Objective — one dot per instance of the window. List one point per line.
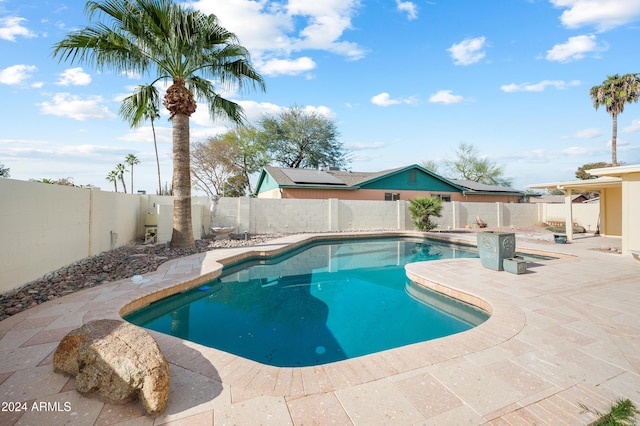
(443, 197)
(412, 176)
(390, 196)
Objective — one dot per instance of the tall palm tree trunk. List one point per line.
(132, 178)
(614, 141)
(155, 145)
(182, 227)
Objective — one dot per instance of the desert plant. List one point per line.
(622, 413)
(422, 208)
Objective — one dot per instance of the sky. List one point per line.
(404, 82)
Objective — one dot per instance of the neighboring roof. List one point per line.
(341, 179)
(483, 188)
(309, 176)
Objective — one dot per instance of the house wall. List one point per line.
(409, 180)
(610, 212)
(630, 209)
(379, 194)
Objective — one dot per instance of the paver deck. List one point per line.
(565, 333)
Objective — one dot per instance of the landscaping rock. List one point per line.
(123, 262)
(119, 360)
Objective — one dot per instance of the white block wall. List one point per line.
(45, 227)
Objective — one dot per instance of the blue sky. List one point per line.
(404, 81)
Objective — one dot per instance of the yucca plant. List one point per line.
(422, 208)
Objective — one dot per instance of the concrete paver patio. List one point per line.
(567, 332)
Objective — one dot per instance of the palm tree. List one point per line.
(169, 42)
(140, 106)
(131, 160)
(120, 171)
(113, 177)
(613, 94)
(421, 208)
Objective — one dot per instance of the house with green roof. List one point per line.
(403, 183)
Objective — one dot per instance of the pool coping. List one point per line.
(397, 360)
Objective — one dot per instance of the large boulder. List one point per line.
(117, 359)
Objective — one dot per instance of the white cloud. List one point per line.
(445, 97)
(16, 74)
(67, 105)
(587, 134)
(275, 67)
(359, 146)
(36, 149)
(74, 77)
(468, 51)
(603, 14)
(538, 87)
(384, 99)
(409, 8)
(633, 127)
(11, 27)
(145, 134)
(321, 110)
(581, 150)
(256, 110)
(277, 29)
(574, 49)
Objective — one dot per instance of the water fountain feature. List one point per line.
(222, 232)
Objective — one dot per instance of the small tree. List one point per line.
(470, 166)
(298, 138)
(4, 171)
(131, 160)
(430, 165)
(210, 167)
(582, 174)
(120, 171)
(235, 186)
(422, 208)
(249, 152)
(113, 177)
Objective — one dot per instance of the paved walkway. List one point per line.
(567, 332)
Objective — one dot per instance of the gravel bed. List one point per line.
(121, 263)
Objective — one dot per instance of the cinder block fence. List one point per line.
(44, 227)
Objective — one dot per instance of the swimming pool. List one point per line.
(321, 303)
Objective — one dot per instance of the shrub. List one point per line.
(422, 208)
(622, 413)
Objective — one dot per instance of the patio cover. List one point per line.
(568, 187)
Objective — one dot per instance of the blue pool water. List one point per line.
(322, 303)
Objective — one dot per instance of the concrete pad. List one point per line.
(378, 403)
